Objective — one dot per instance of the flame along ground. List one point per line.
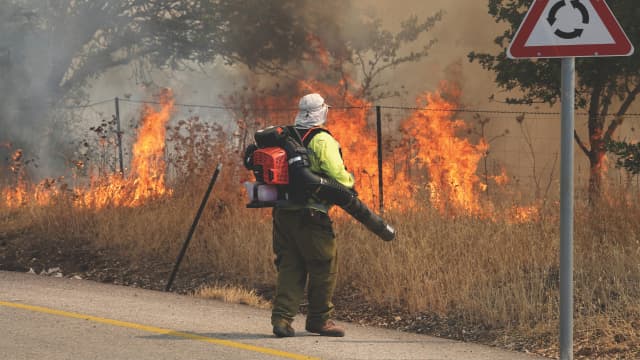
(146, 179)
(432, 162)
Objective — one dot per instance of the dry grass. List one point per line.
(233, 294)
(488, 274)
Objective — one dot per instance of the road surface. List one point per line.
(55, 318)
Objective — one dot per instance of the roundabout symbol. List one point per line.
(577, 32)
(569, 28)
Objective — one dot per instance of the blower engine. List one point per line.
(280, 164)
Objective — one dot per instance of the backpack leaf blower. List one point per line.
(281, 166)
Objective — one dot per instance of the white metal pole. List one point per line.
(566, 207)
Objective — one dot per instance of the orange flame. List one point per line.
(146, 180)
(523, 214)
(432, 145)
(502, 178)
(16, 196)
(451, 161)
(148, 164)
(321, 55)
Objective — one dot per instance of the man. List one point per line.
(303, 238)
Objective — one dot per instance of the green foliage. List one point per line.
(606, 87)
(539, 80)
(628, 155)
(85, 38)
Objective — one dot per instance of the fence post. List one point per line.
(379, 131)
(192, 229)
(119, 136)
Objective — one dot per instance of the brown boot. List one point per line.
(328, 328)
(283, 329)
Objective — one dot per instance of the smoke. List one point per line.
(465, 27)
(38, 48)
(39, 51)
(22, 95)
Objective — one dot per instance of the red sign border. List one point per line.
(621, 47)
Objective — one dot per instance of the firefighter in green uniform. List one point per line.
(303, 238)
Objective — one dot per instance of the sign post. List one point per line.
(568, 93)
(568, 29)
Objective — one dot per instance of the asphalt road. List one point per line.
(55, 318)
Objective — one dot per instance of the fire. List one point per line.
(24, 193)
(502, 178)
(322, 56)
(16, 196)
(450, 161)
(434, 157)
(447, 160)
(148, 166)
(145, 181)
(521, 214)
(434, 164)
(147, 176)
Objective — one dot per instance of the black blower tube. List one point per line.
(332, 191)
(305, 182)
(336, 193)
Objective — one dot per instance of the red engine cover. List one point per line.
(273, 161)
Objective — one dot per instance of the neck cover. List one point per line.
(307, 119)
(313, 112)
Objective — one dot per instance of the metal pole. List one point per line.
(193, 227)
(119, 136)
(379, 131)
(566, 208)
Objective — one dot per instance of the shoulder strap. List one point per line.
(306, 138)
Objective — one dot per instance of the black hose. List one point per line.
(304, 183)
(329, 190)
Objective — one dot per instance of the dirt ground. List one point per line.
(25, 253)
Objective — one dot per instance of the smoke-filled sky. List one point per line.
(466, 26)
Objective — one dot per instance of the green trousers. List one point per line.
(305, 248)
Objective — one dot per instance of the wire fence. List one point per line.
(522, 149)
(389, 107)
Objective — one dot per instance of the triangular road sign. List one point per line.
(568, 28)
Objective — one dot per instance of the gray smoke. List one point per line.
(23, 94)
(38, 46)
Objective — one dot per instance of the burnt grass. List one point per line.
(23, 252)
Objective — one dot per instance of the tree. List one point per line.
(606, 87)
(56, 48)
(628, 155)
(71, 42)
(87, 37)
(51, 50)
(377, 50)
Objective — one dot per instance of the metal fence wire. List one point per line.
(494, 148)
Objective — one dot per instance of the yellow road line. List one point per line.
(156, 330)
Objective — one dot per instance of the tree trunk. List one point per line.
(598, 137)
(597, 149)
(596, 170)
